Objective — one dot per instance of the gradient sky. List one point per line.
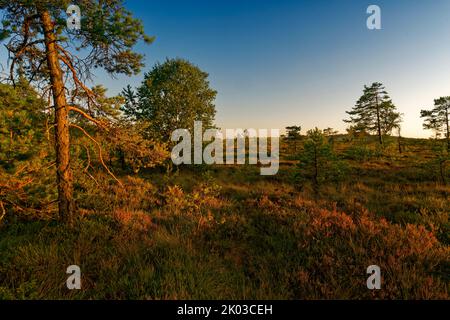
(280, 63)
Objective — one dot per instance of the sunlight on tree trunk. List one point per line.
(62, 135)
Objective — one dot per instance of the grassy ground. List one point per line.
(229, 233)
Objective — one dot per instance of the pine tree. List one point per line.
(374, 112)
(130, 108)
(43, 48)
(330, 133)
(173, 95)
(293, 134)
(437, 118)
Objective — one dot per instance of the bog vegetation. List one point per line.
(86, 179)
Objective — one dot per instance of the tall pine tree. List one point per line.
(374, 112)
(59, 60)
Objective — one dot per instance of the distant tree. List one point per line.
(374, 112)
(318, 163)
(58, 60)
(438, 164)
(396, 122)
(172, 96)
(330, 132)
(437, 119)
(130, 107)
(293, 133)
(105, 109)
(355, 133)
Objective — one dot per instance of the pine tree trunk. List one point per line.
(62, 135)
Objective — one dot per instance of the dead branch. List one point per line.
(99, 152)
(87, 116)
(86, 169)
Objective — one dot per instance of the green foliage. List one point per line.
(318, 163)
(329, 132)
(108, 33)
(359, 153)
(106, 109)
(58, 60)
(130, 107)
(25, 153)
(439, 165)
(293, 132)
(140, 240)
(437, 119)
(172, 96)
(292, 140)
(374, 112)
(123, 140)
(21, 125)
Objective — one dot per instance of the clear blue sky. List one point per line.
(276, 63)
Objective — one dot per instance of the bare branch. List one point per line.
(99, 152)
(66, 59)
(87, 116)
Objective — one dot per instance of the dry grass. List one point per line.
(228, 233)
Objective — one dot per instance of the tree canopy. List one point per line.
(172, 96)
(374, 112)
(58, 60)
(318, 162)
(293, 132)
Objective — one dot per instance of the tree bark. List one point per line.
(62, 134)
